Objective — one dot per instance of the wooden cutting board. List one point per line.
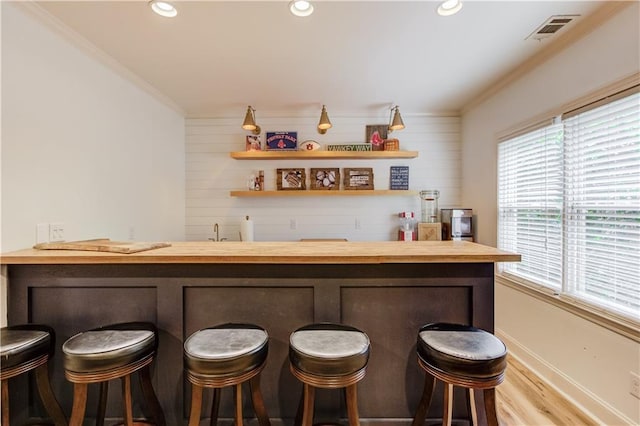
(102, 244)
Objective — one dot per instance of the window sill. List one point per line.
(622, 325)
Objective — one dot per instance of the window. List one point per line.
(569, 203)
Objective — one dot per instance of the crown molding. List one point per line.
(91, 50)
(580, 30)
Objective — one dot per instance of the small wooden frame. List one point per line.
(291, 179)
(375, 135)
(429, 231)
(358, 178)
(253, 143)
(391, 144)
(325, 179)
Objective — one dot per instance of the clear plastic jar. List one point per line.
(429, 203)
(407, 230)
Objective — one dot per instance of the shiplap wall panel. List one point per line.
(211, 174)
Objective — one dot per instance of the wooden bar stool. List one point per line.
(107, 353)
(25, 348)
(328, 356)
(464, 356)
(226, 355)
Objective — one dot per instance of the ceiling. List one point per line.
(357, 57)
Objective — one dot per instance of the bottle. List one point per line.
(407, 230)
(429, 201)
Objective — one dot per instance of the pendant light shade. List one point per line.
(396, 123)
(250, 121)
(324, 124)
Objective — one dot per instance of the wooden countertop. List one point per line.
(317, 252)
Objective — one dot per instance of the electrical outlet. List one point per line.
(634, 384)
(42, 233)
(293, 224)
(357, 224)
(56, 232)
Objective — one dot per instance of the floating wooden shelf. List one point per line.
(318, 193)
(315, 155)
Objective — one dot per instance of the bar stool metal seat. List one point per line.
(332, 356)
(107, 353)
(226, 355)
(25, 348)
(464, 356)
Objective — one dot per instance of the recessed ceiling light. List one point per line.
(301, 7)
(449, 7)
(163, 8)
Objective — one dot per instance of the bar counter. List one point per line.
(387, 289)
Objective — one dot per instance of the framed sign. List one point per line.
(361, 178)
(282, 140)
(291, 179)
(399, 177)
(325, 179)
(375, 135)
(253, 143)
(350, 147)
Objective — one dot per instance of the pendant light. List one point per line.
(396, 123)
(250, 121)
(324, 124)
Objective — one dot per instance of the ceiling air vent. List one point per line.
(551, 26)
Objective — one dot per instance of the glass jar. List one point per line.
(429, 203)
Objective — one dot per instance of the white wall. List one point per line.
(211, 174)
(588, 362)
(82, 145)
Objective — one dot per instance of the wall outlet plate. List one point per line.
(42, 233)
(56, 232)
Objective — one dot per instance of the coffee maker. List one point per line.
(457, 224)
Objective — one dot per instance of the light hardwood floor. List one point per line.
(524, 400)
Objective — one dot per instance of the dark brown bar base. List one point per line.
(387, 301)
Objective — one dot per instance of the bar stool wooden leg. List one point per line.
(352, 405)
(46, 395)
(215, 406)
(471, 406)
(425, 400)
(150, 396)
(237, 392)
(447, 404)
(309, 394)
(5, 402)
(79, 404)
(126, 400)
(102, 403)
(258, 401)
(196, 405)
(490, 406)
(298, 419)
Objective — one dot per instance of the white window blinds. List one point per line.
(530, 192)
(569, 203)
(602, 173)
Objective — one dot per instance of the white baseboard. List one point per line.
(600, 411)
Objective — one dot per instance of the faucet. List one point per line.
(216, 229)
